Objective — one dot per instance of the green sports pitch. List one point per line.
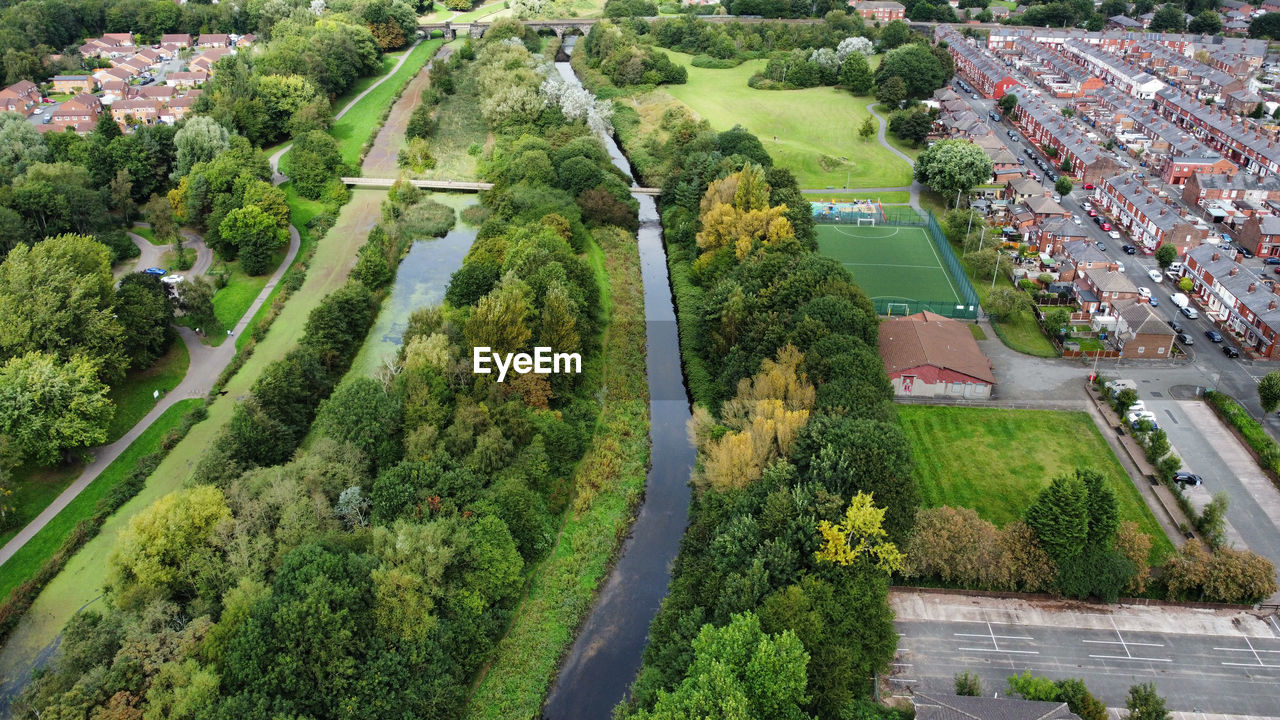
(898, 267)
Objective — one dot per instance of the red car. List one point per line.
(1276, 270)
(1088, 186)
(1106, 227)
(1093, 213)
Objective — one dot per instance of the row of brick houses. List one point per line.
(1046, 126)
(1061, 77)
(1238, 56)
(1150, 220)
(987, 76)
(1182, 71)
(1243, 142)
(1243, 303)
(878, 11)
(20, 97)
(1233, 198)
(1113, 70)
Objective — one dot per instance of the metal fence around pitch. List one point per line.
(968, 296)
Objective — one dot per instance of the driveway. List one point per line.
(1028, 379)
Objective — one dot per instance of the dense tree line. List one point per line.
(385, 558)
(800, 456)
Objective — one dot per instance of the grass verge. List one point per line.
(147, 234)
(361, 121)
(133, 398)
(608, 484)
(996, 460)
(34, 487)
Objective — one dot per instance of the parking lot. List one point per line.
(1201, 660)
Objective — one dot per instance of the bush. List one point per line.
(427, 218)
(706, 61)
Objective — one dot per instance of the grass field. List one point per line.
(814, 127)
(133, 397)
(36, 551)
(358, 125)
(231, 302)
(147, 234)
(891, 197)
(889, 262)
(995, 461)
(34, 487)
(1020, 332)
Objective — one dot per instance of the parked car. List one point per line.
(172, 279)
(1154, 301)
(1144, 292)
(975, 96)
(1231, 351)
(1129, 250)
(1155, 275)
(158, 272)
(1093, 213)
(1190, 313)
(1182, 477)
(1272, 261)
(1102, 247)
(1076, 219)
(1185, 339)
(1246, 252)
(1088, 186)
(1213, 335)
(1114, 234)
(1106, 227)
(1013, 134)
(1175, 326)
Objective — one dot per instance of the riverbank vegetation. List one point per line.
(390, 555)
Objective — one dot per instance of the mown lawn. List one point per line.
(996, 461)
(1020, 332)
(814, 127)
(34, 487)
(38, 549)
(133, 397)
(358, 125)
(147, 234)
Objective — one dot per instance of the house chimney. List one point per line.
(1216, 257)
(1234, 271)
(1253, 286)
(1272, 305)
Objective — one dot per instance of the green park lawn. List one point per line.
(995, 461)
(359, 124)
(38, 549)
(1020, 332)
(814, 127)
(891, 197)
(133, 398)
(231, 302)
(34, 487)
(147, 234)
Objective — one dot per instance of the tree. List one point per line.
(859, 537)
(1213, 520)
(867, 129)
(1058, 321)
(1060, 517)
(255, 235)
(1124, 399)
(1007, 103)
(953, 166)
(1269, 391)
(158, 213)
(738, 672)
(1168, 19)
(1006, 302)
(1208, 22)
(200, 139)
(314, 160)
(1265, 26)
(1186, 284)
(891, 92)
(911, 126)
(195, 297)
(1144, 703)
(48, 406)
(920, 69)
(361, 413)
(20, 146)
(855, 74)
(967, 683)
(1165, 255)
(984, 262)
(1030, 687)
(1063, 186)
(1079, 700)
(156, 554)
(894, 34)
(69, 310)
(145, 314)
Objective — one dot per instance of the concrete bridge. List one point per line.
(582, 26)
(450, 185)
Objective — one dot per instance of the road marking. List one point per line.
(1251, 649)
(1125, 644)
(1001, 637)
(1001, 650)
(995, 642)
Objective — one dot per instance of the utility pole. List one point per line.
(996, 272)
(965, 250)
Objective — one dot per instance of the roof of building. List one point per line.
(933, 706)
(1062, 227)
(930, 339)
(1112, 281)
(1085, 252)
(1251, 290)
(1163, 212)
(1026, 186)
(1141, 319)
(1042, 205)
(1238, 181)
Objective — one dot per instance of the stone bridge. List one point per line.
(581, 26)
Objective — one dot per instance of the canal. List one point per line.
(606, 655)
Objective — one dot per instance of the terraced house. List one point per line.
(1045, 125)
(1243, 142)
(1150, 220)
(1233, 198)
(1172, 153)
(976, 65)
(1241, 302)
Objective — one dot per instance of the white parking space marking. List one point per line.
(995, 642)
(1125, 645)
(1257, 659)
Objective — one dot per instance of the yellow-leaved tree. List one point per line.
(860, 536)
(764, 418)
(735, 213)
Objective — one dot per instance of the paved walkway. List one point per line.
(274, 160)
(916, 187)
(206, 365)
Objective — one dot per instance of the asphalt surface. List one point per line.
(1207, 673)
